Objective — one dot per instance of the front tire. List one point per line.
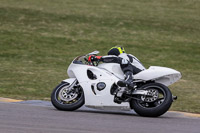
(156, 105)
(68, 99)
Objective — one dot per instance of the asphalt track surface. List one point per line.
(42, 117)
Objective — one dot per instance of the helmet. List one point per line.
(116, 50)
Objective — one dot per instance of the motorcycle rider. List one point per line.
(129, 64)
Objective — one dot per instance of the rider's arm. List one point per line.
(111, 59)
(123, 59)
(105, 59)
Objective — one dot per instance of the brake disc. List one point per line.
(151, 96)
(66, 94)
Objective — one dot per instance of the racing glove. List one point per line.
(92, 58)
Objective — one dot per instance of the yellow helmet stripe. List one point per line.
(121, 50)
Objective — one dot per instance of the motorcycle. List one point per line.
(95, 85)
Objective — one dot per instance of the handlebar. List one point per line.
(84, 58)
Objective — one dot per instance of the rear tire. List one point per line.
(150, 107)
(76, 101)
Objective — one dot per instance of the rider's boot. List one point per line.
(128, 82)
(127, 86)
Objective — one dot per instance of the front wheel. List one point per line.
(67, 97)
(156, 103)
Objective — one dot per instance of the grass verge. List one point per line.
(39, 39)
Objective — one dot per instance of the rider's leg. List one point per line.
(128, 72)
(128, 82)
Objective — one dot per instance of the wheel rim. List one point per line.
(65, 95)
(156, 97)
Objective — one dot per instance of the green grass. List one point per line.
(39, 39)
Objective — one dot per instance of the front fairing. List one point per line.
(94, 96)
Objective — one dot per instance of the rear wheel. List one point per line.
(157, 102)
(67, 97)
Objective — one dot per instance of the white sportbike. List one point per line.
(95, 85)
